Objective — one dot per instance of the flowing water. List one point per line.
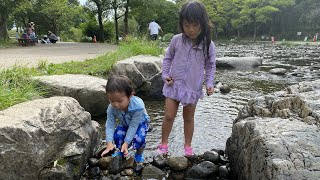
(214, 114)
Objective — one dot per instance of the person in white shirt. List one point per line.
(154, 30)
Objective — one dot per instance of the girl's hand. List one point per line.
(124, 149)
(109, 148)
(210, 91)
(169, 81)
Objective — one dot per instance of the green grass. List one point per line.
(6, 44)
(101, 65)
(16, 85)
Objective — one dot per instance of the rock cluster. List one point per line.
(210, 164)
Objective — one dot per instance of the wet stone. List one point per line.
(128, 172)
(223, 172)
(278, 71)
(104, 162)
(177, 175)
(202, 170)
(223, 160)
(224, 89)
(124, 178)
(94, 172)
(104, 172)
(178, 163)
(128, 163)
(211, 156)
(115, 165)
(152, 172)
(106, 178)
(159, 161)
(93, 162)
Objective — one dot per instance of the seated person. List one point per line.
(25, 36)
(52, 37)
(32, 35)
(45, 40)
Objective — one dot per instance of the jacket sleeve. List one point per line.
(210, 66)
(167, 60)
(133, 126)
(110, 124)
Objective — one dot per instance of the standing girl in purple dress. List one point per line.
(189, 60)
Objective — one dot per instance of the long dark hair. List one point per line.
(195, 12)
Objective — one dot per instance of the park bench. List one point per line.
(27, 42)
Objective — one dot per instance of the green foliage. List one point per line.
(6, 44)
(288, 44)
(167, 37)
(74, 34)
(91, 28)
(164, 12)
(133, 26)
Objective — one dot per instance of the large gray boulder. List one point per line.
(238, 62)
(145, 73)
(277, 136)
(89, 91)
(46, 139)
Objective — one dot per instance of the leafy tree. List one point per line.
(54, 15)
(101, 6)
(281, 18)
(91, 28)
(307, 12)
(164, 12)
(7, 7)
(257, 13)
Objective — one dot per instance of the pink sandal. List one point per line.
(162, 149)
(188, 151)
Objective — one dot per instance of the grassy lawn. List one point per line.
(16, 86)
(10, 43)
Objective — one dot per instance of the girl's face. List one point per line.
(192, 30)
(119, 100)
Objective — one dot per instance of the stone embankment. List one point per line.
(277, 136)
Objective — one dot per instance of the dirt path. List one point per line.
(52, 53)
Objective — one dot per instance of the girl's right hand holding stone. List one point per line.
(169, 81)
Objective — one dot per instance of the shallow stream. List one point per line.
(215, 114)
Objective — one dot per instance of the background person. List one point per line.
(52, 37)
(154, 29)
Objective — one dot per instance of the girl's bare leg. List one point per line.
(188, 118)
(171, 108)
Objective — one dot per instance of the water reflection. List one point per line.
(213, 119)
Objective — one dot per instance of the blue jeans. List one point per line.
(139, 141)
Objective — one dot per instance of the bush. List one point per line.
(92, 29)
(74, 34)
(167, 37)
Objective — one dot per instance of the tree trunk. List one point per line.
(101, 34)
(126, 16)
(3, 28)
(254, 31)
(115, 8)
(54, 26)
